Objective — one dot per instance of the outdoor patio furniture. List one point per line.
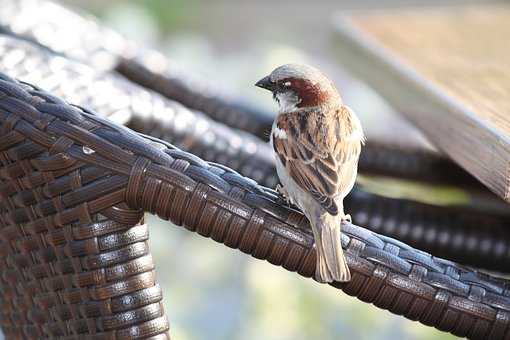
(75, 261)
(75, 184)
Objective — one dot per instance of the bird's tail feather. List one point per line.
(331, 263)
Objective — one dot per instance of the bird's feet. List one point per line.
(346, 218)
(283, 192)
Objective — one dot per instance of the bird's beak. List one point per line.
(265, 83)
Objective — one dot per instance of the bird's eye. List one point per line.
(287, 84)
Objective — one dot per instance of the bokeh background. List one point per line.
(211, 291)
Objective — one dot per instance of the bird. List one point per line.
(317, 141)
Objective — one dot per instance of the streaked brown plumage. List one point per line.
(317, 141)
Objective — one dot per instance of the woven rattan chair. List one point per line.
(75, 188)
(443, 231)
(75, 259)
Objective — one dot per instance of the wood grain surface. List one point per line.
(448, 71)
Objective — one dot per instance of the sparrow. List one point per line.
(317, 142)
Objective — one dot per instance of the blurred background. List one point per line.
(211, 291)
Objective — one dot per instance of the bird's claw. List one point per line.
(281, 190)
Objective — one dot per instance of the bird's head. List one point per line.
(296, 86)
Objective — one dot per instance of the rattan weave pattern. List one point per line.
(145, 111)
(43, 145)
(442, 231)
(73, 262)
(456, 233)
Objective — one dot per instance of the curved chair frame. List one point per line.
(444, 231)
(63, 165)
(75, 187)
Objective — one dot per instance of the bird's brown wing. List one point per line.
(324, 168)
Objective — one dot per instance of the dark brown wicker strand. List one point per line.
(442, 231)
(195, 93)
(217, 203)
(415, 164)
(455, 233)
(90, 277)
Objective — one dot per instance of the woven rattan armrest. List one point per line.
(56, 145)
(444, 231)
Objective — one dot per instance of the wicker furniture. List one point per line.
(445, 231)
(75, 187)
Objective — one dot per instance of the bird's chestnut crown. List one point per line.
(297, 86)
